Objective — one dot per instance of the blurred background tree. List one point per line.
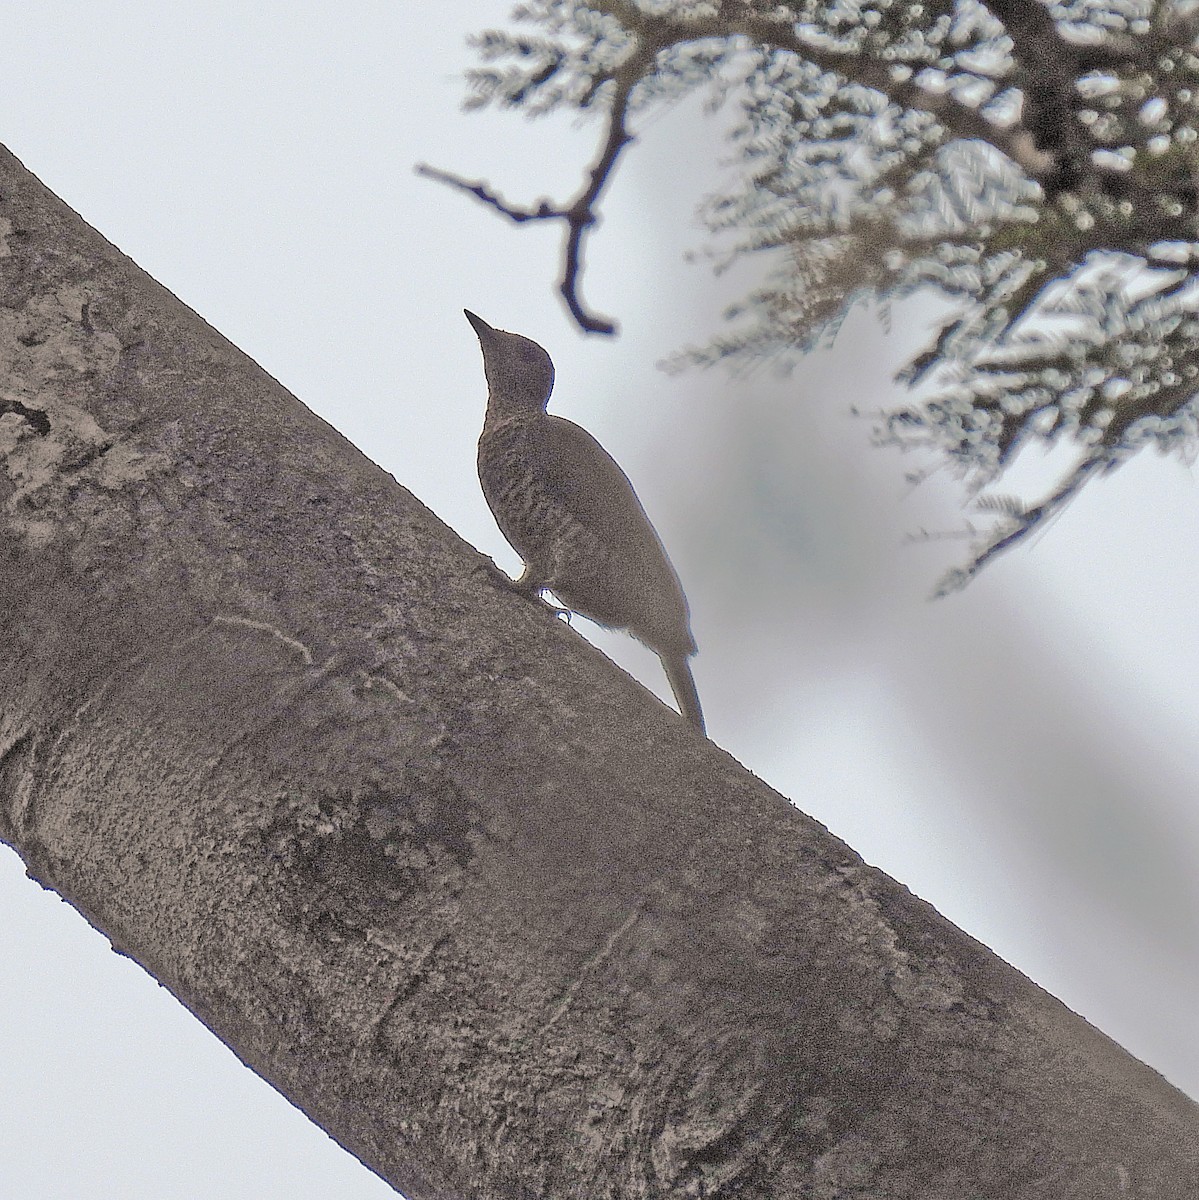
(1031, 164)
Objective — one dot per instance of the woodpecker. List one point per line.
(571, 513)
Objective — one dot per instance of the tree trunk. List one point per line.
(491, 914)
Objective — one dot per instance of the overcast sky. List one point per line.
(1022, 755)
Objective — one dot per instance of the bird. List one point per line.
(572, 515)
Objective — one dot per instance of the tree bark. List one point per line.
(487, 911)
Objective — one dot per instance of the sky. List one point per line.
(1021, 755)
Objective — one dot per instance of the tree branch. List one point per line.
(477, 903)
(1023, 523)
(1049, 145)
(779, 33)
(655, 32)
(479, 189)
(581, 214)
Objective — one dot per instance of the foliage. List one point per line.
(1033, 163)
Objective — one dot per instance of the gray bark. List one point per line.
(487, 911)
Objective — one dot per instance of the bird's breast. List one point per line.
(524, 508)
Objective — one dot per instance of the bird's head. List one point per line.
(520, 374)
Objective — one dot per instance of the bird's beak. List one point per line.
(481, 326)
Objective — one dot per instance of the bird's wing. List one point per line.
(590, 487)
(586, 480)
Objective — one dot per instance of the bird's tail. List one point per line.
(678, 671)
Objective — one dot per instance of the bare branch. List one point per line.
(580, 215)
(479, 189)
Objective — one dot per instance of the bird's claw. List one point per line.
(535, 593)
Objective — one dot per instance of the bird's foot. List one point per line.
(531, 588)
(536, 593)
